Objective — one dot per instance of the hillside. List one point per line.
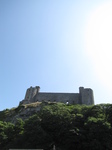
(42, 125)
(23, 111)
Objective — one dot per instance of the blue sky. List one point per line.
(58, 45)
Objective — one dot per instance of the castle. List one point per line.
(85, 96)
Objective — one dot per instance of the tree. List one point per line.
(98, 134)
(34, 134)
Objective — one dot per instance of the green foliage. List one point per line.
(65, 126)
(3, 114)
(6, 133)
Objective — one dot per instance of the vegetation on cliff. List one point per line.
(65, 126)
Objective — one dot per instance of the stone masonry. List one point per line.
(85, 96)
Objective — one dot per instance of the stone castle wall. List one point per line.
(58, 97)
(85, 96)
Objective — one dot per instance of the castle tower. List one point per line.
(86, 96)
(31, 92)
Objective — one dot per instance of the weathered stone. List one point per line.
(85, 96)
